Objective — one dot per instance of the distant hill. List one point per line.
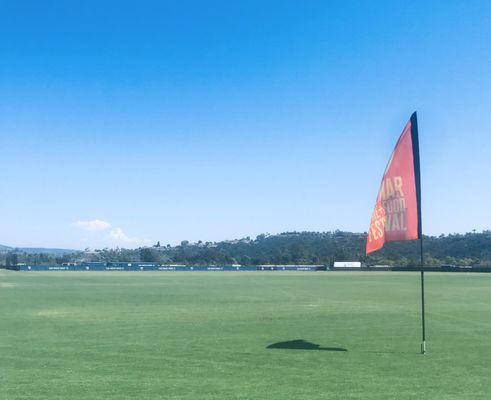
(467, 249)
(309, 248)
(37, 250)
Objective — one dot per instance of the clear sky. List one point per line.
(123, 123)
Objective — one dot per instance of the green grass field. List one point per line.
(167, 335)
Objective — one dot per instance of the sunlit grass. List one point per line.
(167, 335)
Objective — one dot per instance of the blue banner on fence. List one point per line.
(138, 266)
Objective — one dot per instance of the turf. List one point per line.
(241, 335)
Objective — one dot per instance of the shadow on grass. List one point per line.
(301, 344)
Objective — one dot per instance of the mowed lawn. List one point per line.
(205, 335)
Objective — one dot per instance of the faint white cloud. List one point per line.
(92, 226)
(118, 235)
(104, 234)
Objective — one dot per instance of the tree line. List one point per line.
(467, 249)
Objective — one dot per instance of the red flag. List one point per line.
(397, 213)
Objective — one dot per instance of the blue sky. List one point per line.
(124, 123)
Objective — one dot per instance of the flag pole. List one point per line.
(380, 231)
(423, 344)
(415, 142)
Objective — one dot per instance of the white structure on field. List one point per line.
(347, 264)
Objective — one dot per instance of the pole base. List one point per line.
(423, 348)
